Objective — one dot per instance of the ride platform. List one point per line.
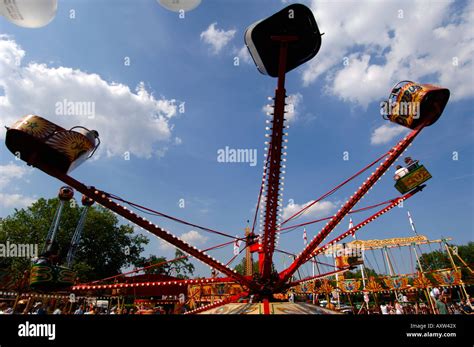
(275, 308)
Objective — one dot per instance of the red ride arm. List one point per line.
(103, 199)
(396, 151)
(352, 230)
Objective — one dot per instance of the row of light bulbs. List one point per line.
(147, 284)
(104, 196)
(282, 172)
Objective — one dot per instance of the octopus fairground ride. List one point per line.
(277, 44)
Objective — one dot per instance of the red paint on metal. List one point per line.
(396, 151)
(274, 158)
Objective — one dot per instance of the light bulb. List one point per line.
(177, 5)
(29, 13)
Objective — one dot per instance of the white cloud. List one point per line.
(386, 133)
(244, 55)
(127, 121)
(320, 209)
(15, 200)
(217, 38)
(294, 104)
(10, 172)
(165, 246)
(192, 237)
(267, 109)
(380, 48)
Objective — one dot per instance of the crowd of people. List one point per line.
(440, 302)
(441, 306)
(39, 308)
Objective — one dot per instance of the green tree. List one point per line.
(180, 268)
(466, 252)
(240, 268)
(357, 274)
(440, 259)
(434, 260)
(105, 248)
(152, 260)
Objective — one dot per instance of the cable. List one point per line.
(261, 191)
(376, 263)
(158, 264)
(384, 262)
(235, 256)
(389, 254)
(336, 188)
(149, 211)
(366, 259)
(292, 254)
(293, 227)
(401, 256)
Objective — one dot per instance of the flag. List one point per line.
(351, 225)
(411, 223)
(237, 246)
(305, 237)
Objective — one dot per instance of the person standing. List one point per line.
(434, 293)
(291, 297)
(441, 305)
(398, 308)
(39, 309)
(80, 310)
(465, 308)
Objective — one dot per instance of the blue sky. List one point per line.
(173, 155)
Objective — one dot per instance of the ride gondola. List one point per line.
(47, 146)
(417, 175)
(412, 105)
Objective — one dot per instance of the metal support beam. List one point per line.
(396, 151)
(103, 198)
